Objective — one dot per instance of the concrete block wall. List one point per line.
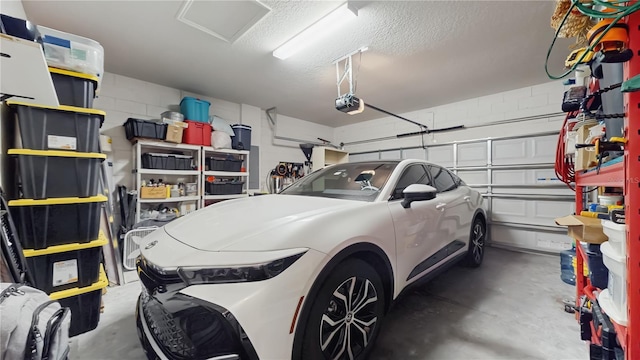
(124, 97)
(534, 100)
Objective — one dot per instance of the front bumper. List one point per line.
(175, 326)
(265, 309)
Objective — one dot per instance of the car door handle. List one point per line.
(441, 206)
(467, 198)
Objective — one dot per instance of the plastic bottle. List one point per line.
(567, 273)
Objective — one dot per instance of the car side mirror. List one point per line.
(417, 192)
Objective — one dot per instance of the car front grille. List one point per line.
(165, 329)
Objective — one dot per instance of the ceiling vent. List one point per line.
(226, 20)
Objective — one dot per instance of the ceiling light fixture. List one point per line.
(323, 27)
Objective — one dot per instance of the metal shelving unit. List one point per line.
(143, 146)
(626, 175)
(241, 175)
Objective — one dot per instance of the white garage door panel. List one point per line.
(390, 155)
(553, 209)
(533, 240)
(474, 154)
(508, 210)
(509, 151)
(532, 150)
(510, 177)
(473, 177)
(529, 211)
(364, 157)
(441, 155)
(414, 154)
(544, 148)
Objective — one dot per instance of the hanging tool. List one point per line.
(615, 144)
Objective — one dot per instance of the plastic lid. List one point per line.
(59, 108)
(58, 201)
(75, 74)
(102, 283)
(190, 98)
(56, 153)
(101, 241)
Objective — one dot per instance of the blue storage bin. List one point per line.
(195, 109)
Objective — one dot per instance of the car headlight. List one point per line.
(198, 275)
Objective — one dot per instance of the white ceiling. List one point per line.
(422, 53)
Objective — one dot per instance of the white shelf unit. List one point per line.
(324, 156)
(243, 176)
(170, 200)
(191, 176)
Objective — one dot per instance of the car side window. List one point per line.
(442, 179)
(414, 174)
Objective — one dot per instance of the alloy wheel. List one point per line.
(349, 319)
(478, 242)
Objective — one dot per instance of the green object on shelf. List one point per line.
(631, 85)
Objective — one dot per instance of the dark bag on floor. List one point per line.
(32, 326)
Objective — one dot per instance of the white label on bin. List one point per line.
(61, 142)
(65, 272)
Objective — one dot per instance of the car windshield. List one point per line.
(351, 181)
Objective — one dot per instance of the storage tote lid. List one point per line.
(189, 98)
(75, 74)
(58, 201)
(101, 241)
(241, 126)
(67, 108)
(56, 153)
(102, 283)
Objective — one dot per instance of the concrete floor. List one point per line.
(510, 308)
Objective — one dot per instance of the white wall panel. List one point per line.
(473, 154)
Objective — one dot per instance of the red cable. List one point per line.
(564, 167)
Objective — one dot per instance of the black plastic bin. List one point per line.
(242, 138)
(57, 174)
(50, 222)
(74, 88)
(137, 128)
(224, 164)
(84, 304)
(224, 187)
(598, 272)
(166, 161)
(65, 267)
(62, 128)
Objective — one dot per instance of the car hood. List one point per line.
(258, 223)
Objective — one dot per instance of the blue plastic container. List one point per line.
(567, 273)
(195, 109)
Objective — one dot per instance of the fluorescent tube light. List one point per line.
(323, 27)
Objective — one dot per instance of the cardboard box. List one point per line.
(149, 192)
(585, 157)
(583, 228)
(174, 132)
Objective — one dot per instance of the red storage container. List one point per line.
(197, 133)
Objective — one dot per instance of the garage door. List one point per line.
(515, 175)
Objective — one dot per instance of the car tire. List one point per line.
(477, 242)
(346, 315)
